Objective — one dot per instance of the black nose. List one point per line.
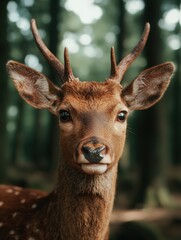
(93, 155)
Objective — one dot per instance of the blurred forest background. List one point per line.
(150, 170)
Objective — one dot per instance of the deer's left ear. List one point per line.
(148, 87)
(34, 87)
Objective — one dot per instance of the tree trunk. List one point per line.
(177, 103)
(152, 129)
(53, 136)
(121, 34)
(3, 89)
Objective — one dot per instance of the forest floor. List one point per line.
(146, 224)
(159, 218)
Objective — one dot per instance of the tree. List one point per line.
(55, 14)
(177, 103)
(3, 89)
(153, 143)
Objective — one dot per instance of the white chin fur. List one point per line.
(94, 168)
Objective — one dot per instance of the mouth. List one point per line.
(94, 168)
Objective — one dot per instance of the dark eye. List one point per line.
(122, 116)
(64, 116)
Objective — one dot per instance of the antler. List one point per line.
(68, 74)
(64, 72)
(118, 71)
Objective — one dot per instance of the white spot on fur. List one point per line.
(34, 206)
(1, 224)
(14, 214)
(1, 203)
(9, 190)
(31, 238)
(23, 201)
(12, 232)
(16, 193)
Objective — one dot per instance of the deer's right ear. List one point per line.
(34, 87)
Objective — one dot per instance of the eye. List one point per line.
(122, 116)
(64, 116)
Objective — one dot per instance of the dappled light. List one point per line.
(23, 24)
(174, 42)
(93, 52)
(80, 7)
(170, 19)
(28, 3)
(85, 39)
(12, 111)
(32, 61)
(13, 13)
(70, 41)
(134, 6)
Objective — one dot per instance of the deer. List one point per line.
(92, 120)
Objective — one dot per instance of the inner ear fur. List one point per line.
(148, 87)
(34, 87)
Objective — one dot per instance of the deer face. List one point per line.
(92, 120)
(92, 116)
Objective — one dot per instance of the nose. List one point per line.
(93, 153)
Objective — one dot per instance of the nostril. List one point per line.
(93, 155)
(100, 149)
(86, 150)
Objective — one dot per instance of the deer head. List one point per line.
(92, 115)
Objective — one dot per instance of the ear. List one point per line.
(148, 87)
(34, 87)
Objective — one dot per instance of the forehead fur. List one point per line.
(88, 91)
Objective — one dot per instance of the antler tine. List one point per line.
(50, 57)
(114, 72)
(68, 74)
(127, 61)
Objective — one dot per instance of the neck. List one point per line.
(81, 205)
